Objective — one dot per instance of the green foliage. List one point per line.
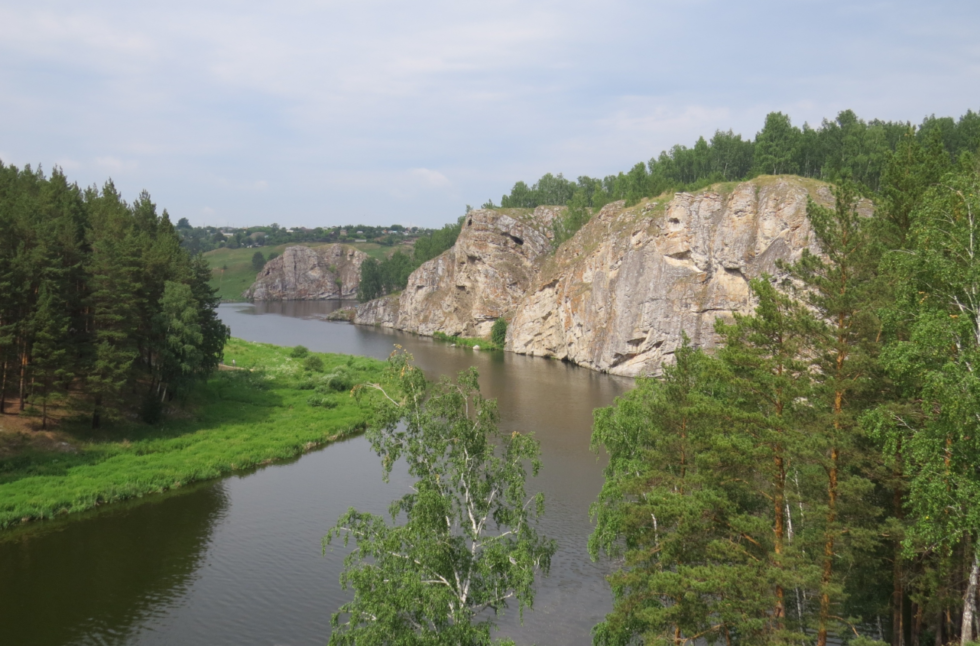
(498, 333)
(818, 475)
(467, 342)
(846, 147)
(380, 277)
(467, 546)
(258, 261)
(929, 429)
(299, 352)
(238, 419)
(313, 363)
(691, 529)
(388, 275)
(775, 146)
(576, 216)
(100, 303)
(321, 400)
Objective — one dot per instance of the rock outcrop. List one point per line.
(483, 277)
(619, 296)
(301, 273)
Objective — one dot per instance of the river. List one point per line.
(238, 560)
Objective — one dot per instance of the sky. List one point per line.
(382, 112)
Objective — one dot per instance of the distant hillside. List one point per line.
(232, 271)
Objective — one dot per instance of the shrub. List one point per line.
(299, 352)
(498, 333)
(321, 401)
(337, 381)
(313, 363)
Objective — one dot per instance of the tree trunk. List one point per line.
(898, 574)
(23, 377)
(95, 412)
(779, 504)
(3, 389)
(828, 549)
(916, 633)
(970, 600)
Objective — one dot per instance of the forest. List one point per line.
(844, 148)
(103, 311)
(818, 478)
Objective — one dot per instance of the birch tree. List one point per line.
(462, 545)
(940, 273)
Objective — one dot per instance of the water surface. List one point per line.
(238, 561)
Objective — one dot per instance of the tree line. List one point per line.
(846, 147)
(390, 274)
(102, 311)
(208, 238)
(816, 479)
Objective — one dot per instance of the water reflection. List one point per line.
(552, 399)
(95, 580)
(239, 561)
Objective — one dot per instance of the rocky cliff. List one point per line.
(302, 273)
(619, 295)
(483, 277)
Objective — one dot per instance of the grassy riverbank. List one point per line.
(272, 407)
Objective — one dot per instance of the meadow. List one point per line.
(274, 404)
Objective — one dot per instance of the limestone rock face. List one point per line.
(620, 294)
(302, 273)
(483, 277)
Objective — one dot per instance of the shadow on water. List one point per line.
(97, 578)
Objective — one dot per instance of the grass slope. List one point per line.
(239, 419)
(232, 272)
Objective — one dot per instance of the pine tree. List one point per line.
(50, 352)
(769, 386)
(113, 270)
(839, 286)
(676, 505)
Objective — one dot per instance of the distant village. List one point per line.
(203, 239)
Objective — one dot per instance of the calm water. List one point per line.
(238, 561)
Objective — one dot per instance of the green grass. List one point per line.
(272, 409)
(467, 342)
(232, 271)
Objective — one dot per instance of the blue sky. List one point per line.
(376, 112)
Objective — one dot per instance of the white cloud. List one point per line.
(329, 102)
